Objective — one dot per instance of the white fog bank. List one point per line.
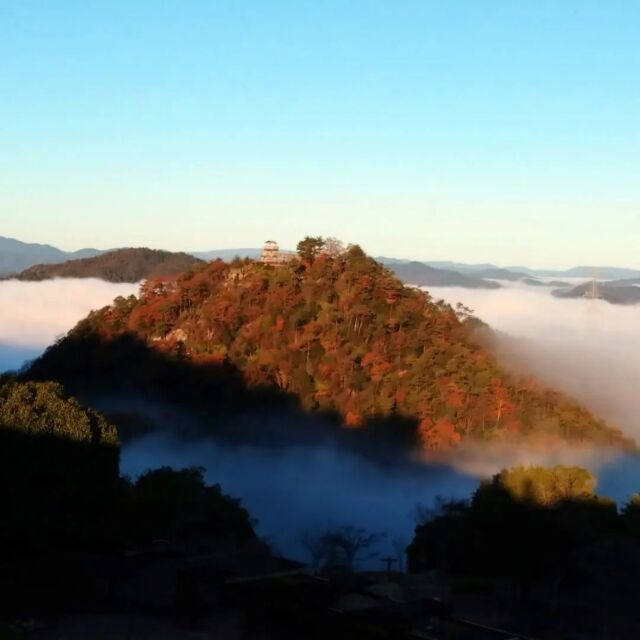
(588, 348)
(34, 314)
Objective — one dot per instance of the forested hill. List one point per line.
(343, 334)
(121, 265)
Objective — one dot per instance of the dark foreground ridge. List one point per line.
(89, 554)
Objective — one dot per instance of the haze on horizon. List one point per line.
(502, 132)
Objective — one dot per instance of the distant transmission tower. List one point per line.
(594, 292)
(593, 311)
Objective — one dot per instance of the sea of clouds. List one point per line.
(588, 348)
(34, 314)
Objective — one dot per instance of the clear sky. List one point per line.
(499, 130)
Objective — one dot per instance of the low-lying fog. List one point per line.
(294, 488)
(590, 349)
(34, 314)
(297, 488)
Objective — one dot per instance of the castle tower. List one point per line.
(270, 253)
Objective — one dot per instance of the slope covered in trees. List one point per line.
(121, 265)
(548, 537)
(39, 409)
(67, 514)
(343, 334)
(58, 463)
(59, 473)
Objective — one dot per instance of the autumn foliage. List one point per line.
(343, 334)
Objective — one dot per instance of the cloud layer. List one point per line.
(34, 314)
(295, 489)
(588, 348)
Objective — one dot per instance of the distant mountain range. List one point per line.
(479, 270)
(16, 257)
(488, 270)
(624, 291)
(133, 265)
(599, 273)
(423, 275)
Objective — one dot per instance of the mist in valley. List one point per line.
(589, 349)
(295, 474)
(34, 314)
(296, 489)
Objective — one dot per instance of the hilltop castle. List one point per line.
(272, 255)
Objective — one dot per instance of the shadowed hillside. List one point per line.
(59, 464)
(67, 514)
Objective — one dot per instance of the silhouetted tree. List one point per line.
(178, 506)
(342, 547)
(310, 247)
(333, 247)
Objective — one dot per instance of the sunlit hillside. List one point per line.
(342, 334)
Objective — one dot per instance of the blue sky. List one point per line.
(476, 131)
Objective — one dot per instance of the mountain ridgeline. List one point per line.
(121, 265)
(422, 275)
(16, 255)
(341, 334)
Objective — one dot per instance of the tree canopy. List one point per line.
(542, 486)
(58, 463)
(342, 333)
(121, 265)
(545, 533)
(178, 506)
(59, 476)
(41, 408)
(309, 247)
